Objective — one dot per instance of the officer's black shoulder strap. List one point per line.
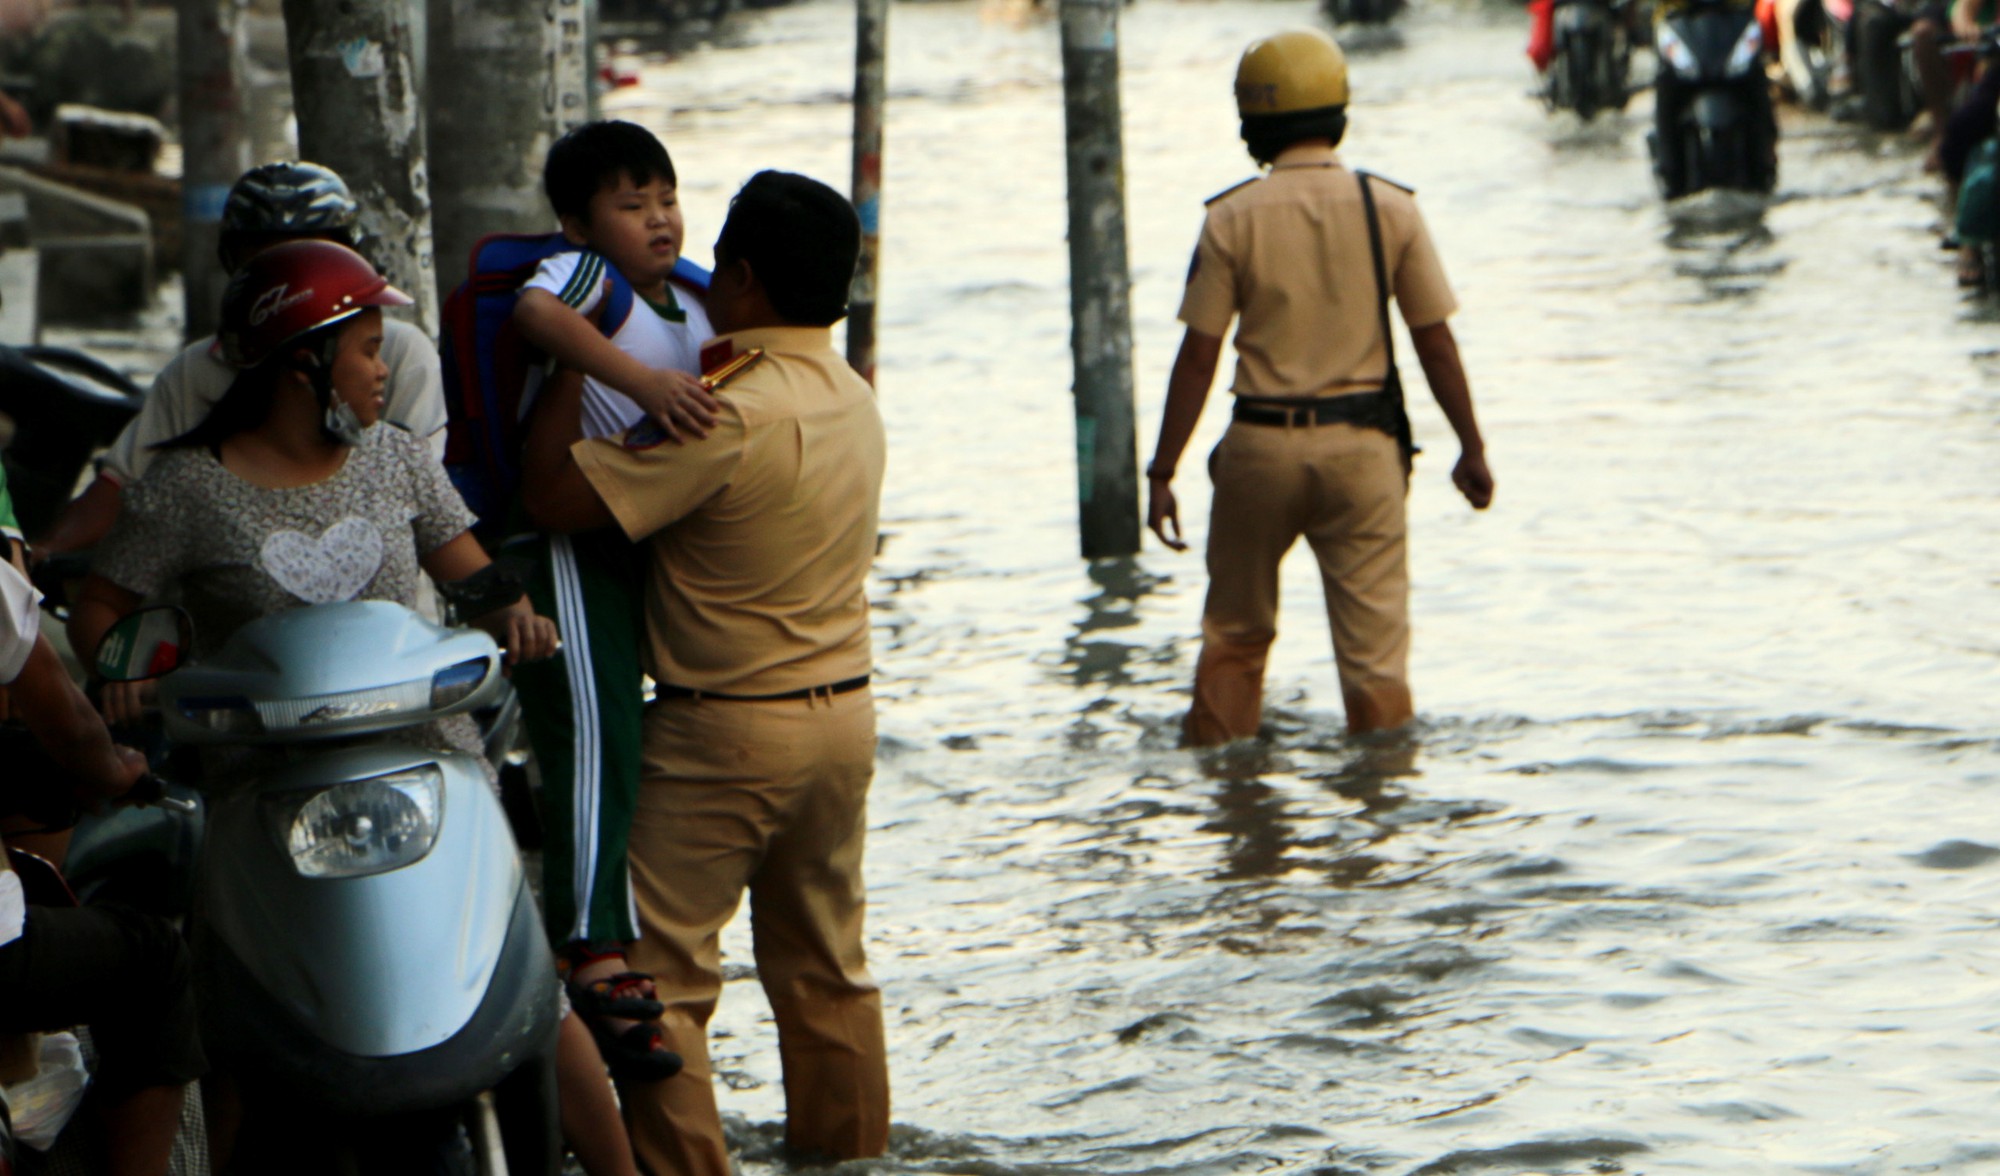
(1392, 380)
(1231, 190)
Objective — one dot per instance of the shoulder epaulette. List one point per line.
(1391, 181)
(717, 374)
(1232, 190)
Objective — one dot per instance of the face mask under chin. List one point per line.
(342, 426)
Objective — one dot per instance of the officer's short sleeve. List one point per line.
(1421, 288)
(1209, 304)
(650, 487)
(20, 621)
(416, 380)
(576, 278)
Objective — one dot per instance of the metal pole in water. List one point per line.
(488, 140)
(213, 61)
(1100, 285)
(354, 86)
(871, 93)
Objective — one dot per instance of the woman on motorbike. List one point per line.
(288, 494)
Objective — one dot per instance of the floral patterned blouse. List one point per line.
(232, 551)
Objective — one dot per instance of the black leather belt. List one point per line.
(847, 686)
(1370, 409)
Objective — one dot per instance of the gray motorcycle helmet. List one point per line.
(291, 199)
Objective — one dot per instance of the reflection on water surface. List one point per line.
(1690, 863)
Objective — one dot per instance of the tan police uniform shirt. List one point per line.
(761, 534)
(194, 380)
(1289, 253)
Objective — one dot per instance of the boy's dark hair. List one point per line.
(801, 239)
(593, 156)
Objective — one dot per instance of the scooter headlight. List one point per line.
(1749, 48)
(1675, 52)
(363, 827)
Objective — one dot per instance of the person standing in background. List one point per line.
(1306, 258)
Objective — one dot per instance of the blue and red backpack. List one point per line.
(491, 374)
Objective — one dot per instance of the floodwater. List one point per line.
(1691, 863)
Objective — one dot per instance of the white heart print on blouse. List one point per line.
(327, 570)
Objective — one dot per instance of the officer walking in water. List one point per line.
(1308, 256)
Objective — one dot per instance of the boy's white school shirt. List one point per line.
(578, 279)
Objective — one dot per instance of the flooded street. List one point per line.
(1691, 863)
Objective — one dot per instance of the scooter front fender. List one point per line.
(1717, 110)
(378, 965)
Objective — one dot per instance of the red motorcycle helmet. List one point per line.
(292, 289)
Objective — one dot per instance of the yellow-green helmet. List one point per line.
(1291, 72)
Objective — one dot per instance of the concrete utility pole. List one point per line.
(489, 136)
(213, 62)
(871, 94)
(354, 87)
(1100, 285)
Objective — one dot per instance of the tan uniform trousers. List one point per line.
(770, 797)
(1342, 487)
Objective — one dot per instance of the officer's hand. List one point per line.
(1164, 513)
(1473, 480)
(683, 408)
(125, 702)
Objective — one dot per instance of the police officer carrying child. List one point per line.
(1308, 255)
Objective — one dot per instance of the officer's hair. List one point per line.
(1267, 135)
(593, 156)
(802, 240)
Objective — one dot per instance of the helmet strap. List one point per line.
(338, 423)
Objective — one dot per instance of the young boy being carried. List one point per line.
(613, 188)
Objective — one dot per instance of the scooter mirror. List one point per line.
(149, 643)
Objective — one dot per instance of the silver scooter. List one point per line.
(369, 959)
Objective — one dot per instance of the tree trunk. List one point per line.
(355, 89)
(488, 140)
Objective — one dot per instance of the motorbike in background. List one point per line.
(64, 406)
(1714, 126)
(370, 960)
(1813, 37)
(1593, 57)
(1885, 72)
(1342, 12)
